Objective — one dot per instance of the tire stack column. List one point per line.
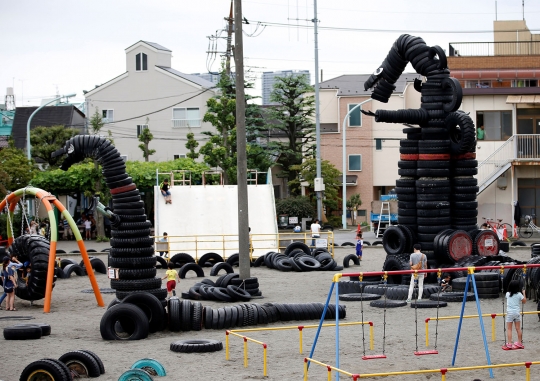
(406, 184)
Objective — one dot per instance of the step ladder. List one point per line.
(385, 207)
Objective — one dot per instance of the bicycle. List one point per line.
(499, 228)
(526, 230)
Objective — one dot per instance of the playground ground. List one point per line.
(75, 320)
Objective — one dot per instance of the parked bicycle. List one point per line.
(528, 228)
(499, 227)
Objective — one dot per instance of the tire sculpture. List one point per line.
(131, 246)
(436, 190)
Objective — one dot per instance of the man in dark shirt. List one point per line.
(165, 191)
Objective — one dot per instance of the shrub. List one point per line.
(299, 207)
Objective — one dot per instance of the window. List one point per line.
(108, 116)
(378, 144)
(140, 128)
(124, 157)
(355, 117)
(186, 117)
(525, 83)
(355, 162)
(497, 125)
(180, 156)
(361, 213)
(141, 62)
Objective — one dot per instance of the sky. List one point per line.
(67, 46)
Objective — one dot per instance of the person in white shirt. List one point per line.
(418, 261)
(315, 231)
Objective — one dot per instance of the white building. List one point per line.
(150, 93)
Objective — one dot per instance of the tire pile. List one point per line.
(298, 257)
(436, 189)
(78, 364)
(33, 249)
(142, 313)
(226, 288)
(132, 250)
(69, 266)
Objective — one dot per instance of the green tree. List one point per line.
(220, 149)
(300, 207)
(16, 171)
(46, 140)
(352, 205)
(292, 115)
(332, 182)
(145, 138)
(191, 145)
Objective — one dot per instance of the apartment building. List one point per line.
(500, 81)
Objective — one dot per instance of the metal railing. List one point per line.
(490, 49)
(177, 123)
(522, 147)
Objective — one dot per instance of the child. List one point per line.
(513, 299)
(445, 283)
(88, 228)
(171, 274)
(359, 245)
(27, 273)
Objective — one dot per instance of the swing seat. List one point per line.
(423, 353)
(373, 357)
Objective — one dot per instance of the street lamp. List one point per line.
(28, 153)
(344, 131)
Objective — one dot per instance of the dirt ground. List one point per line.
(75, 320)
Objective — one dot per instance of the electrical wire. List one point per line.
(142, 100)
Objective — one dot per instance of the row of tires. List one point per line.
(299, 259)
(74, 364)
(140, 314)
(227, 288)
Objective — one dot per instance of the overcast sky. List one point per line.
(75, 45)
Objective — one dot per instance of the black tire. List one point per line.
(132, 242)
(221, 266)
(174, 314)
(376, 243)
(191, 267)
(160, 293)
(70, 269)
(82, 363)
(394, 240)
(221, 294)
(98, 360)
(97, 265)
(210, 258)
(67, 261)
(152, 308)
(307, 263)
(297, 245)
(23, 332)
(397, 262)
(451, 296)
(259, 261)
(197, 316)
(388, 303)
(181, 259)
(428, 304)
(196, 346)
(48, 368)
(132, 319)
(351, 257)
(238, 293)
(135, 284)
(185, 315)
(120, 252)
(161, 263)
(359, 296)
(463, 139)
(133, 263)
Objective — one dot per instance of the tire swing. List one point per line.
(381, 356)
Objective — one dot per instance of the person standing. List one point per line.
(481, 133)
(165, 238)
(418, 261)
(10, 284)
(514, 299)
(15, 265)
(67, 229)
(359, 245)
(88, 229)
(315, 232)
(165, 191)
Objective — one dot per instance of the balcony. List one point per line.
(179, 123)
(491, 49)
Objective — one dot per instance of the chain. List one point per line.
(385, 278)
(524, 275)
(438, 301)
(502, 298)
(362, 314)
(25, 216)
(416, 308)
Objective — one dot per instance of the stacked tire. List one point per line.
(132, 250)
(227, 288)
(33, 249)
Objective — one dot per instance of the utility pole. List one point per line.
(243, 215)
(319, 184)
(229, 39)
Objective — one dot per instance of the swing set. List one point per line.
(18, 197)
(470, 280)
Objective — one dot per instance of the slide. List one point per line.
(204, 218)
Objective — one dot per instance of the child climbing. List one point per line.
(164, 187)
(359, 245)
(514, 299)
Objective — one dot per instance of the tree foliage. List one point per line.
(331, 175)
(46, 140)
(96, 122)
(191, 145)
(220, 149)
(292, 115)
(145, 138)
(352, 205)
(16, 171)
(300, 207)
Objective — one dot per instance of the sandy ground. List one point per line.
(75, 320)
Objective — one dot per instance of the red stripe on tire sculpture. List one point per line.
(464, 156)
(125, 188)
(408, 156)
(434, 156)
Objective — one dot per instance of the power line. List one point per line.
(142, 100)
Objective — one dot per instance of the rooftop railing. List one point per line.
(490, 49)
